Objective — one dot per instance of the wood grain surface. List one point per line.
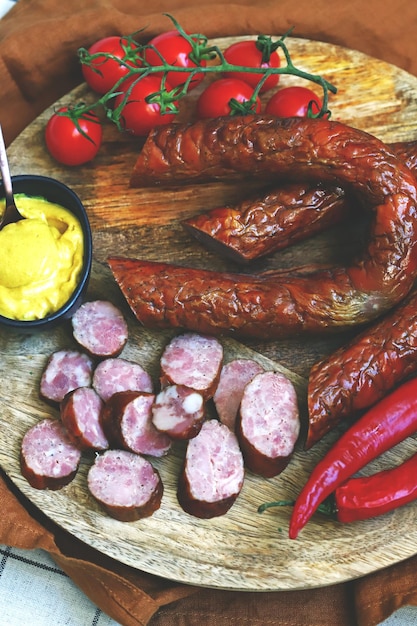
(243, 549)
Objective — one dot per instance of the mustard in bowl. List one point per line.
(46, 258)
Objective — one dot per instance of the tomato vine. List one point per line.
(201, 52)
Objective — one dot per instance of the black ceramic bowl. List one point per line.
(54, 191)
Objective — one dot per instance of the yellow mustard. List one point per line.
(40, 259)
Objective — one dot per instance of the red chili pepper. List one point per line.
(390, 421)
(368, 496)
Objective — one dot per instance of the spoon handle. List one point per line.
(4, 169)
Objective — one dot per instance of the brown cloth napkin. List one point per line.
(38, 64)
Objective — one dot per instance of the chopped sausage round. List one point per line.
(80, 412)
(116, 374)
(192, 360)
(178, 411)
(48, 458)
(213, 472)
(234, 377)
(125, 484)
(100, 327)
(65, 370)
(127, 422)
(268, 423)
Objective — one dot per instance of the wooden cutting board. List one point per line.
(243, 549)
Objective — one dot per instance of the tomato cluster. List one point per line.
(140, 105)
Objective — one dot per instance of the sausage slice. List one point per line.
(80, 413)
(178, 411)
(100, 327)
(213, 472)
(268, 424)
(126, 485)
(192, 360)
(234, 377)
(48, 458)
(65, 370)
(127, 421)
(116, 374)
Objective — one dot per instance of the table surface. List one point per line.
(31, 580)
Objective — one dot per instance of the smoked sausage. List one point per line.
(283, 216)
(257, 227)
(359, 374)
(406, 151)
(267, 306)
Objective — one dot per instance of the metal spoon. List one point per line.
(11, 214)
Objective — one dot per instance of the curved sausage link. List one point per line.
(293, 212)
(255, 306)
(406, 151)
(356, 376)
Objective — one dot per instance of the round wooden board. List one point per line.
(241, 550)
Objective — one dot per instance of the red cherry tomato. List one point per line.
(217, 99)
(103, 73)
(138, 116)
(293, 102)
(246, 53)
(175, 50)
(67, 144)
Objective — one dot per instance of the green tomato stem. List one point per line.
(200, 50)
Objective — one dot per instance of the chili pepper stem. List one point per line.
(270, 505)
(328, 507)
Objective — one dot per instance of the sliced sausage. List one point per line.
(178, 411)
(80, 412)
(65, 370)
(268, 424)
(126, 485)
(192, 360)
(116, 374)
(213, 472)
(234, 377)
(100, 327)
(259, 226)
(127, 422)
(48, 458)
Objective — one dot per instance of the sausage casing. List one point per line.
(270, 306)
(359, 374)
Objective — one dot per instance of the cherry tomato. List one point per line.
(175, 50)
(138, 116)
(103, 73)
(248, 54)
(215, 100)
(67, 144)
(293, 102)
